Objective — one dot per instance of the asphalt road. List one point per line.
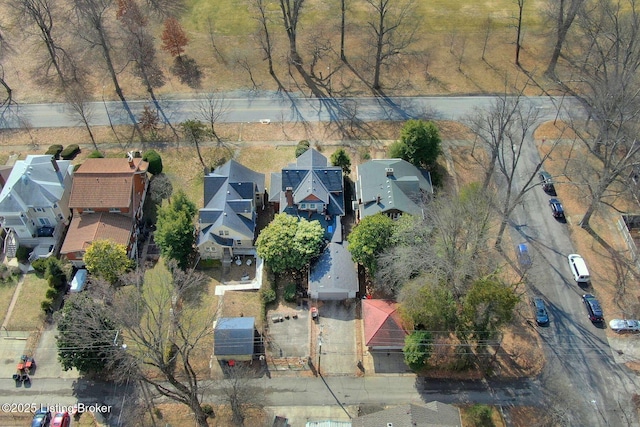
(581, 379)
(273, 107)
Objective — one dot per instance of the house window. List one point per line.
(238, 242)
(114, 210)
(303, 206)
(44, 221)
(39, 209)
(226, 232)
(221, 233)
(88, 210)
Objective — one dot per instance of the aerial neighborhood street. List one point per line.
(306, 213)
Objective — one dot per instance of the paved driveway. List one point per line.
(336, 332)
(289, 337)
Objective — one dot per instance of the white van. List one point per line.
(578, 268)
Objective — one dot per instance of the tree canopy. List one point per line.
(417, 349)
(419, 144)
(175, 229)
(289, 243)
(342, 159)
(369, 238)
(107, 259)
(86, 335)
(155, 161)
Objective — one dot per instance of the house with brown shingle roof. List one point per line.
(107, 197)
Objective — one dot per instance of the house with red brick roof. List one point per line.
(383, 328)
(107, 197)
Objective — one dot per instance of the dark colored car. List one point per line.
(41, 418)
(594, 310)
(540, 310)
(547, 183)
(61, 419)
(523, 255)
(556, 208)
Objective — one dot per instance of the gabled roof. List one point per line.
(87, 228)
(391, 184)
(105, 183)
(234, 336)
(334, 270)
(310, 179)
(34, 182)
(432, 414)
(229, 193)
(382, 323)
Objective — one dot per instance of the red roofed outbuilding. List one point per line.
(383, 328)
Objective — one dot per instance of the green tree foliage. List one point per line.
(289, 243)
(86, 335)
(481, 415)
(488, 305)
(302, 147)
(107, 259)
(396, 150)
(369, 238)
(155, 162)
(420, 144)
(175, 229)
(418, 347)
(428, 303)
(95, 154)
(342, 159)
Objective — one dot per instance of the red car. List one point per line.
(61, 419)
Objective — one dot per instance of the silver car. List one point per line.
(624, 325)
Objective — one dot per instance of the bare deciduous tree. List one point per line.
(607, 58)
(212, 108)
(392, 30)
(502, 130)
(165, 333)
(519, 30)
(41, 13)
(564, 12)
(239, 392)
(291, 16)
(452, 238)
(77, 100)
(92, 27)
(263, 35)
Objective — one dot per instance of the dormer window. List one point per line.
(114, 210)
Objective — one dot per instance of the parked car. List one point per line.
(547, 183)
(61, 419)
(624, 325)
(556, 208)
(578, 269)
(42, 418)
(79, 280)
(540, 310)
(523, 255)
(594, 310)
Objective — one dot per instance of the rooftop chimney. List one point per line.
(130, 159)
(389, 171)
(289, 196)
(57, 169)
(378, 199)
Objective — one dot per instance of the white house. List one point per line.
(34, 204)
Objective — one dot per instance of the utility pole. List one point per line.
(319, 353)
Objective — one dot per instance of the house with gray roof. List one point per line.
(233, 194)
(34, 205)
(390, 186)
(234, 338)
(333, 276)
(432, 414)
(312, 189)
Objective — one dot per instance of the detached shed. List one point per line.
(234, 338)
